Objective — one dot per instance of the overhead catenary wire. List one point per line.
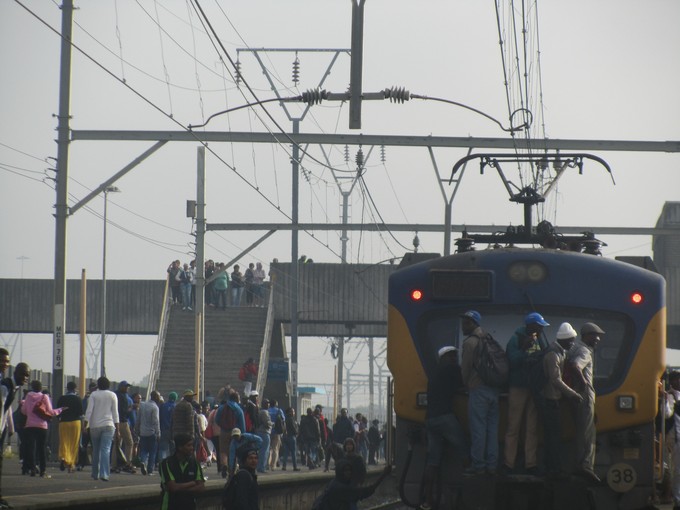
(165, 66)
(169, 116)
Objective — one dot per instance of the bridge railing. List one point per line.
(157, 356)
(263, 365)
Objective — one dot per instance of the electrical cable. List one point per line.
(370, 197)
(165, 67)
(157, 108)
(22, 152)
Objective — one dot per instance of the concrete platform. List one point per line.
(279, 490)
(124, 490)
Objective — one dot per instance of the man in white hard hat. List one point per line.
(554, 390)
(580, 366)
(440, 421)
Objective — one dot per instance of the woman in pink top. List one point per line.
(35, 431)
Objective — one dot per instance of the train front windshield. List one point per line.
(442, 327)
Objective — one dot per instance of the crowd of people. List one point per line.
(222, 288)
(539, 377)
(177, 437)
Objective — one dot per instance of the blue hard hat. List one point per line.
(535, 318)
(474, 315)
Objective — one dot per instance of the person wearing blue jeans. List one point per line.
(237, 285)
(149, 430)
(101, 417)
(483, 420)
(289, 439)
(482, 402)
(102, 439)
(186, 279)
(263, 431)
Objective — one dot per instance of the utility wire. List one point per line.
(170, 117)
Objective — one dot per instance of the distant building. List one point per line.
(666, 250)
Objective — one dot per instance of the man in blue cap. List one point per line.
(521, 405)
(483, 409)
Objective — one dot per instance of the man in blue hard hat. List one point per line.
(521, 405)
(483, 411)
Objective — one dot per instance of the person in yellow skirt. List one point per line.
(69, 427)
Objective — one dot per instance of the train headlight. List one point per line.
(625, 403)
(421, 399)
(527, 272)
(416, 294)
(637, 298)
(536, 272)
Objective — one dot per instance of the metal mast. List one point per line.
(61, 208)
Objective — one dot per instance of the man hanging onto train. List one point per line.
(555, 388)
(522, 411)
(440, 421)
(483, 412)
(580, 366)
(674, 397)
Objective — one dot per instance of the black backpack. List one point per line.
(321, 501)
(491, 362)
(279, 424)
(229, 492)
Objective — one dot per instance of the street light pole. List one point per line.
(102, 352)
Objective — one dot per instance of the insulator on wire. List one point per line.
(359, 158)
(238, 73)
(314, 96)
(382, 154)
(296, 70)
(397, 94)
(346, 153)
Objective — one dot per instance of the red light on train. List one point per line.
(637, 298)
(416, 295)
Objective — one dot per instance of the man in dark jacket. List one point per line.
(373, 442)
(290, 440)
(122, 453)
(310, 436)
(440, 421)
(341, 495)
(343, 427)
(245, 490)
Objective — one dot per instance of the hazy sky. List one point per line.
(608, 70)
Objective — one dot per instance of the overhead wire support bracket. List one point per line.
(544, 233)
(493, 160)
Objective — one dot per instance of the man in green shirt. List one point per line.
(181, 476)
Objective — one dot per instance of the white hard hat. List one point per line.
(566, 331)
(444, 350)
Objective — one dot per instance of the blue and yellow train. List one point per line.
(504, 284)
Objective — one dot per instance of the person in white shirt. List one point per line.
(101, 419)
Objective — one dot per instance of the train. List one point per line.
(565, 280)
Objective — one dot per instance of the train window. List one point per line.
(442, 327)
(461, 285)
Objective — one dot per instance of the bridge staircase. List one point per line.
(231, 336)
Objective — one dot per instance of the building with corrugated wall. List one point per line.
(667, 259)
